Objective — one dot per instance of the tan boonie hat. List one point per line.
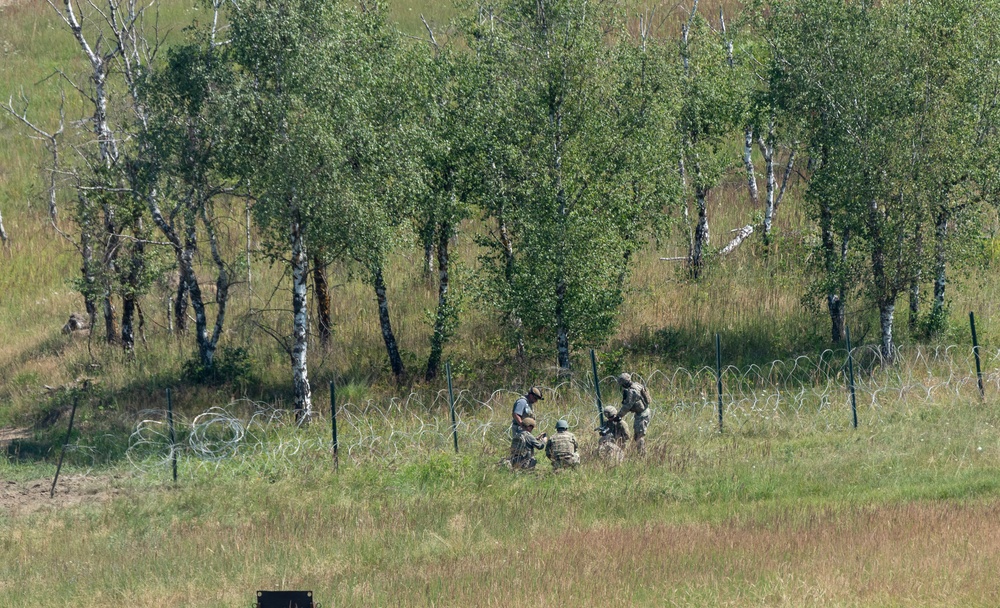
(537, 392)
(526, 422)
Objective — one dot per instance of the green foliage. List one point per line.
(232, 365)
(573, 134)
(897, 119)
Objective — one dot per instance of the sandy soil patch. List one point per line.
(24, 497)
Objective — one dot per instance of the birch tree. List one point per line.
(181, 154)
(856, 70)
(316, 133)
(953, 136)
(766, 125)
(557, 265)
(859, 83)
(109, 232)
(448, 160)
(283, 59)
(712, 94)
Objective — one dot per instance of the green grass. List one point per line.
(891, 514)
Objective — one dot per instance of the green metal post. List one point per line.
(975, 351)
(718, 375)
(173, 437)
(850, 379)
(597, 386)
(451, 400)
(333, 424)
(69, 431)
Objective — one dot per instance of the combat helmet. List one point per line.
(610, 411)
(562, 425)
(624, 379)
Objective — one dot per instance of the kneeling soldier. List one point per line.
(614, 436)
(524, 444)
(562, 448)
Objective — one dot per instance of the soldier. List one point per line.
(635, 399)
(614, 436)
(522, 408)
(524, 444)
(562, 448)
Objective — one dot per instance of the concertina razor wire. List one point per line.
(803, 394)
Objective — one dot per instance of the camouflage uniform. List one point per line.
(632, 401)
(611, 445)
(561, 449)
(522, 449)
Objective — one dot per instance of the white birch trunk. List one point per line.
(701, 234)
(516, 324)
(221, 290)
(913, 322)
(439, 337)
(3, 231)
(388, 336)
(938, 309)
(888, 347)
(741, 235)
(301, 394)
(748, 164)
(767, 149)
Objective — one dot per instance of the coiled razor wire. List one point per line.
(803, 394)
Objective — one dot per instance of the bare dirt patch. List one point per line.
(24, 497)
(8, 435)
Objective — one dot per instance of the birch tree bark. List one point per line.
(913, 321)
(130, 297)
(3, 231)
(111, 36)
(107, 146)
(444, 314)
(748, 140)
(701, 234)
(834, 272)
(939, 310)
(884, 290)
(301, 393)
(322, 295)
(507, 247)
(391, 347)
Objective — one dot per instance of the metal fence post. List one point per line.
(451, 400)
(850, 379)
(718, 375)
(173, 436)
(975, 351)
(333, 424)
(69, 431)
(597, 386)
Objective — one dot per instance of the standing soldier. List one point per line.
(522, 408)
(614, 436)
(562, 448)
(524, 444)
(635, 399)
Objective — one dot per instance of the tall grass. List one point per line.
(902, 511)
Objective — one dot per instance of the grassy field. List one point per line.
(789, 507)
(899, 512)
